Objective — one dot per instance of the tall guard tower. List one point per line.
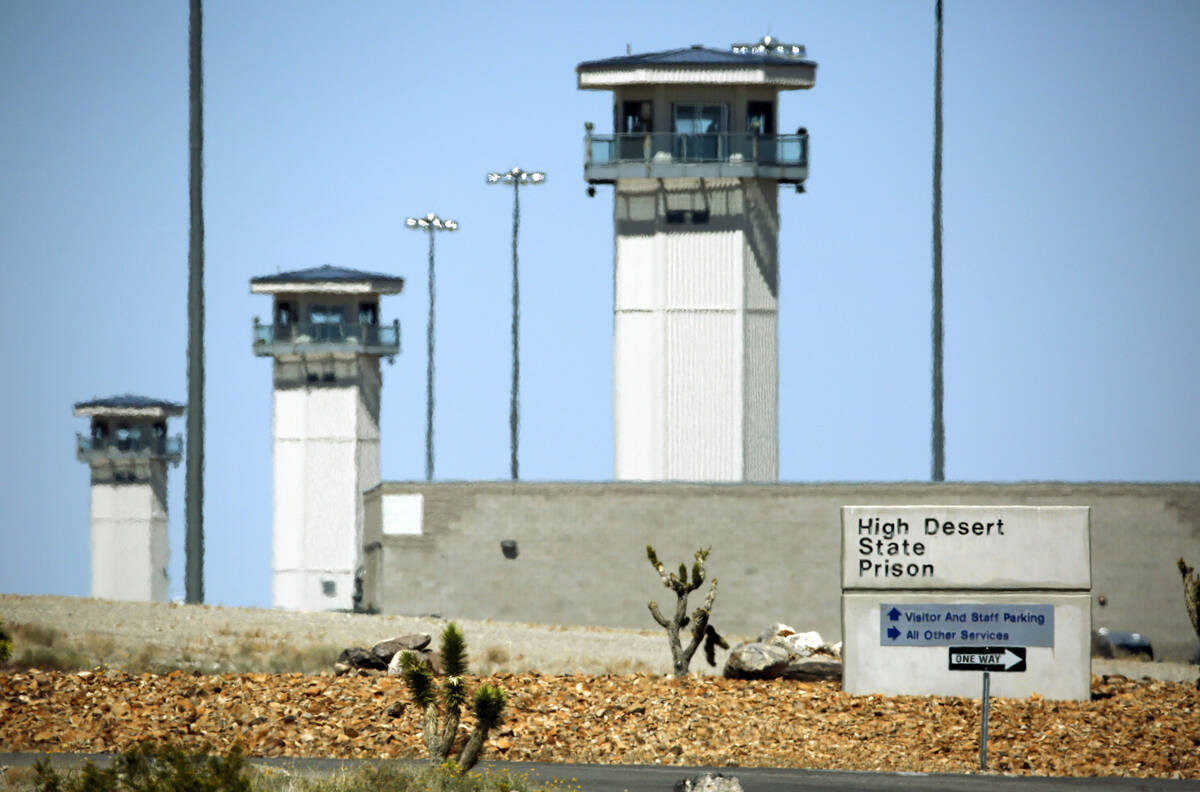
(128, 448)
(695, 160)
(326, 339)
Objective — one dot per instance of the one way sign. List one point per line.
(987, 658)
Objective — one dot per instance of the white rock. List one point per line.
(802, 644)
(775, 630)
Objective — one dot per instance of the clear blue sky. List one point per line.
(1072, 217)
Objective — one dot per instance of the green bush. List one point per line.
(5, 644)
(150, 767)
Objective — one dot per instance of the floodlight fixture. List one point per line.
(770, 46)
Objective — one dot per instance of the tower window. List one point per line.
(686, 217)
(329, 588)
(637, 117)
(285, 314)
(368, 313)
(760, 118)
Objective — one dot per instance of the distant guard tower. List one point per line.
(695, 160)
(128, 448)
(326, 339)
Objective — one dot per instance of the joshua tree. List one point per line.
(487, 703)
(681, 656)
(1191, 593)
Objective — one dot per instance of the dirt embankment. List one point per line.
(1131, 728)
(575, 694)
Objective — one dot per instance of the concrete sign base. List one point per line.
(872, 665)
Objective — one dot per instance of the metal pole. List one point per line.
(939, 423)
(983, 724)
(194, 480)
(514, 415)
(429, 371)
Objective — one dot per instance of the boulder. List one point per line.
(356, 657)
(775, 630)
(379, 656)
(756, 660)
(814, 669)
(800, 644)
(415, 642)
(708, 782)
(781, 651)
(394, 669)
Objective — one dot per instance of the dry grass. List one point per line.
(44, 647)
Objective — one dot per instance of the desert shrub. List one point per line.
(393, 777)
(5, 644)
(48, 659)
(151, 767)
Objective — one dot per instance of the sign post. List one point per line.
(986, 659)
(983, 722)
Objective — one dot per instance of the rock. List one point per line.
(709, 782)
(800, 644)
(781, 630)
(813, 669)
(394, 668)
(756, 661)
(357, 657)
(379, 656)
(780, 651)
(385, 650)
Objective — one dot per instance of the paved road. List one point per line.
(657, 778)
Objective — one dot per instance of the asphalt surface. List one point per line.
(657, 778)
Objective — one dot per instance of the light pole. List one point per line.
(430, 223)
(516, 177)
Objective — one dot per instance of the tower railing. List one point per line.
(89, 448)
(708, 147)
(369, 339)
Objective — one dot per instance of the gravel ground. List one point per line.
(1130, 728)
(575, 695)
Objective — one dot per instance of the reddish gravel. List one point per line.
(1130, 728)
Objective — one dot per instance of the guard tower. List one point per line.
(128, 448)
(695, 160)
(326, 338)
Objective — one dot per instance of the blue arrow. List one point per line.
(893, 633)
(893, 614)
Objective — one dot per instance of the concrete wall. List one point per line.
(129, 535)
(776, 549)
(326, 449)
(695, 331)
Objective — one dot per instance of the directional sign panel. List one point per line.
(987, 658)
(929, 624)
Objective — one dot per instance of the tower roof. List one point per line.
(768, 62)
(328, 278)
(129, 405)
